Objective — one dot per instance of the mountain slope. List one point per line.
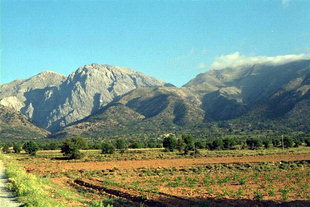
(103, 100)
(142, 111)
(13, 94)
(14, 125)
(65, 100)
(232, 92)
(249, 95)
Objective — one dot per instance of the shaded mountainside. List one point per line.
(14, 125)
(65, 100)
(233, 92)
(258, 97)
(106, 101)
(144, 110)
(13, 94)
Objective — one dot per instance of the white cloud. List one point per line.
(237, 60)
(201, 66)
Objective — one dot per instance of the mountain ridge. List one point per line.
(104, 100)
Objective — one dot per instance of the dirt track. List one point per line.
(60, 166)
(6, 197)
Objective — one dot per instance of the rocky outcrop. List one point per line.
(54, 101)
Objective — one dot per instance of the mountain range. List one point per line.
(102, 100)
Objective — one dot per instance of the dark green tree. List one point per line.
(137, 145)
(71, 147)
(288, 142)
(6, 148)
(107, 148)
(254, 143)
(189, 143)
(121, 145)
(276, 142)
(267, 143)
(169, 143)
(200, 144)
(228, 143)
(180, 146)
(17, 148)
(31, 147)
(217, 144)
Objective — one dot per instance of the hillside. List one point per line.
(14, 125)
(105, 101)
(277, 96)
(54, 101)
(142, 111)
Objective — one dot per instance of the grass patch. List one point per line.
(31, 190)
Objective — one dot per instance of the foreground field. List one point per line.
(156, 178)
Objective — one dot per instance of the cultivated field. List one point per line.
(151, 177)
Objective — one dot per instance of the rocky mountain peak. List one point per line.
(54, 101)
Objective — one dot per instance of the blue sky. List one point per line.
(169, 40)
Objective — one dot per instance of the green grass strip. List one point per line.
(29, 189)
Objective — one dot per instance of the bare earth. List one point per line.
(6, 197)
(164, 163)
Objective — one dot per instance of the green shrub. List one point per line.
(254, 143)
(121, 145)
(189, 143)
(6, 148)
(107, 148)
(288, 142)
(31, 147)
(17, 148)
(258, 195)
(217, 144)
(71, 147)
(169, 143)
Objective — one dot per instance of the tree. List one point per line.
(169, 143)
(267, 143)
(200, 144)
(254, 143)
(121, 145)
(228, 143)
(137, 145)
(189, 143)
(107, 148)
(276, 142)
(71, 147)
(307, 141)
(288, 142)
(217, 144)
(31, 147)
(17, 148)
(6, 148)
(180, 146)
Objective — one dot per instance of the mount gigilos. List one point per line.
(54, 101)
(103, 100)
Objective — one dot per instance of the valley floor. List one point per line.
(151, 177)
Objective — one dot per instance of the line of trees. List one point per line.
(185, 144)
(30, 147)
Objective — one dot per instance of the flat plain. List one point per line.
(152, 177)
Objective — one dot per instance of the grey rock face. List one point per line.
(231, 92)
(54, 101)
(90, 88)
(13, 94)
